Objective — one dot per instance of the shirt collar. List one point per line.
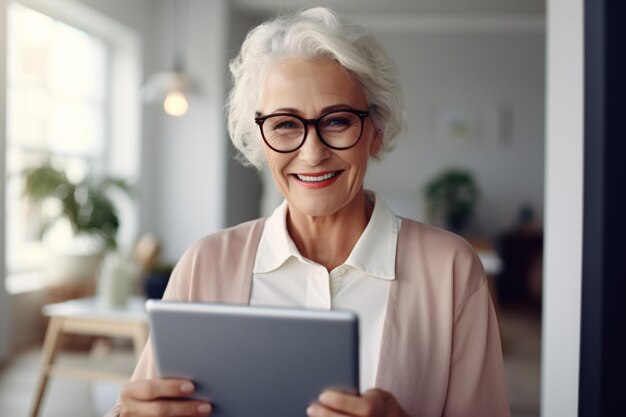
(374, 252)
(275, 245)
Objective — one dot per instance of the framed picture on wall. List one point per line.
(456, 125)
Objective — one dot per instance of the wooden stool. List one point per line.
(84, 316)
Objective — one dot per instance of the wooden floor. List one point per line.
(521, 339)
(63, 397)
(521, 332)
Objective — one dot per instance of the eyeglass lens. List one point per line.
(338, 129)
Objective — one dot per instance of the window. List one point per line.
(57, 110)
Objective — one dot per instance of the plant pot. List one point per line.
(115, 281)
(64, 268)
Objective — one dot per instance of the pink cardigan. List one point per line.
(440, 352)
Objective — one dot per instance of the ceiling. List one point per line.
(462, 7)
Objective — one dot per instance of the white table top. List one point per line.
(91, 308)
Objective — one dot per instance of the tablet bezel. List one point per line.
(272, 345)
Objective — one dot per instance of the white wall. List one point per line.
(184, 159)
(4, 308)
(564, 210)
(244, 185)
(490, 68)
(189, 153)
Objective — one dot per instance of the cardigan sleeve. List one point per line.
(146, 368)
(175, 291)
(441, 354)
(227, 253)
(477, 386)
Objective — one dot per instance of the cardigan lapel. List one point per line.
(414, 359)
(241, 272)
(385, 372)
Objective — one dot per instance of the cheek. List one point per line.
(276, 163)
(364, 154)
(358, 162)
(363, 164)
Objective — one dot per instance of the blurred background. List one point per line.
(117, 158)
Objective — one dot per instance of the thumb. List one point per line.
(385, 401)
(378, 395)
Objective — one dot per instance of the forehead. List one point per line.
(309, 85)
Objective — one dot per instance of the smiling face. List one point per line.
(317, 180)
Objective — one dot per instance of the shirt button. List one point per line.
(339, 271)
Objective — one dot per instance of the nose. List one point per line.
(313, 151)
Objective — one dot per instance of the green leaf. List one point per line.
(87, 205)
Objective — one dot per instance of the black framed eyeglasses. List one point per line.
(338, 129)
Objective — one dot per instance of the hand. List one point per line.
(373, 403)
(161, 398)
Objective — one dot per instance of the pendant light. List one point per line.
(171, 88)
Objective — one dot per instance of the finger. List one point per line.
(167, 408)
(347, 403)
(147, 390)
(378, 395)
(384, 402)
(318, 410)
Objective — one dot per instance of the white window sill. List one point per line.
(23, 282)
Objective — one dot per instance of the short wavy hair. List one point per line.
(317, 33)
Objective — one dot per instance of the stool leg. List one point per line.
(48, 353)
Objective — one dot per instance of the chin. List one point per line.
(317, 208)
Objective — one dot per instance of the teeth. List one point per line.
(316, 179)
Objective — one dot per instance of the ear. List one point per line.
(377, 143)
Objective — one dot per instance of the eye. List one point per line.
(339, 121)
(284, 123)
(289, 124)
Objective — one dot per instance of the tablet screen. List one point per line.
(255, 360)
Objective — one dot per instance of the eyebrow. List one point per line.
(324, 109)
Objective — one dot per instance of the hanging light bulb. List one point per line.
(175, 103)
(172, 87)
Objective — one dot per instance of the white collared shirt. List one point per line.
(283, 277)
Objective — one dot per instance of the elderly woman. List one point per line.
(314, 98)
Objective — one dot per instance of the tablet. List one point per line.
(255, 361)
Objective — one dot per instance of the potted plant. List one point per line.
(87, 205)
(451, 198)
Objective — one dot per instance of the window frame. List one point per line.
(121, 153)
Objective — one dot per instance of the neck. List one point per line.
(329, 240)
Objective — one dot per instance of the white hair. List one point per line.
(312, 34)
